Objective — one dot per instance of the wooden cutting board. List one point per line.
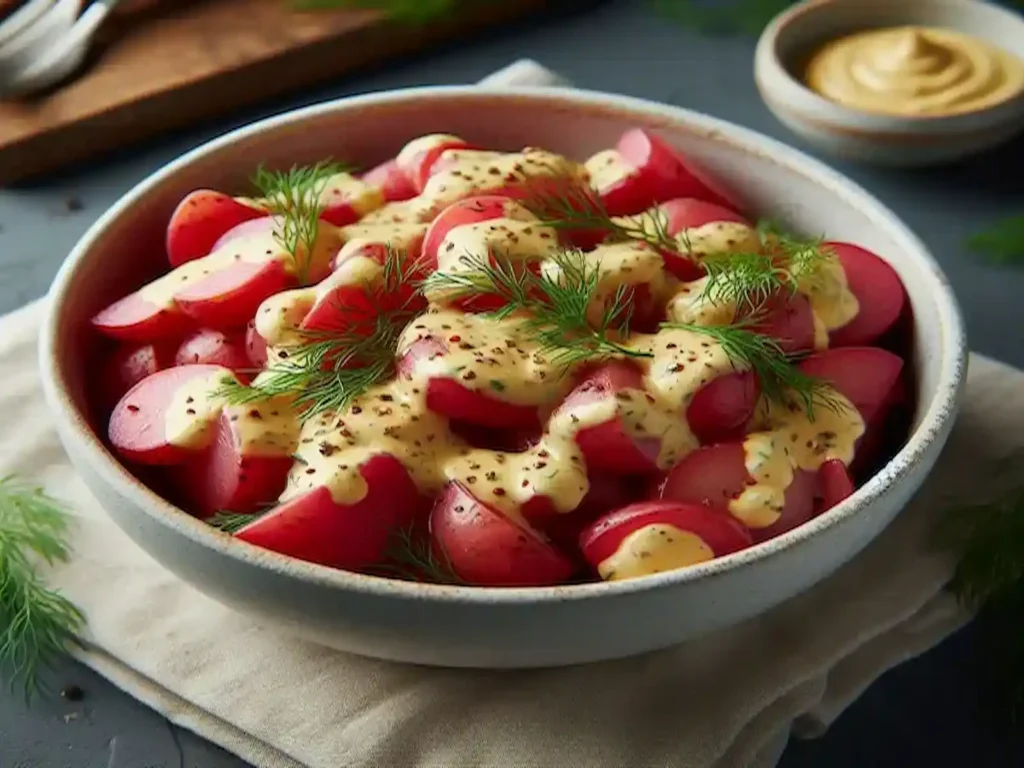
(168, 64)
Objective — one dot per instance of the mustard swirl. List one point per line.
(914, 71)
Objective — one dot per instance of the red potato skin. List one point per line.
(606, 493)
(137, 423)
(420, 168)
(789, 320)
(472, 210)
(720, 531)
(486, 549)
(222, 479)
(135, 319)
(229, 298)
(199, 221)
(864, 375)
(800, 507)
(689, 213)
(879, 291)
(127, 366)
(209, 347)
(721, 409)
(314, 528)
(449, 398)
(664, 174)
(834, 484)
(608, 447)
(393, 184)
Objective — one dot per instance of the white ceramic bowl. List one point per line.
(882, 139)
(462, 626)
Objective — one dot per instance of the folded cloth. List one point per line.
(722, 701)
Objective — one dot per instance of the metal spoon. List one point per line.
(59, 50)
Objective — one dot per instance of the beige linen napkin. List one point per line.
(724, 701)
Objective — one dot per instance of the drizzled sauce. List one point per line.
(654, 549)
(503, 360)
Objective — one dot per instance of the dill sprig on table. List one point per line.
(556, 309)
(404, 11)
(1003, 243)
(325, 372)
(37, 624)
(294, 198)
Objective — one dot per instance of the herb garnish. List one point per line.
(1003, 243)
(413, 557)
(231, 522)
(37, 624)
(328, 370)
(294, 198)
(555, 309)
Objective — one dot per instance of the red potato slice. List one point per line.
(721, 409)
(229, 297)
(864, 375)
(255, 346)
(664, 174)
(834, 484)
(801, 506)
(606, 492)
(472, 210)
(689, 213)
(221, 478)
(392, 183)
(879, 292)
(418, 157)
(877, 432)
(209, 347)
(487, 549)
(345, 308)
(315, 528)
(138, 424)
(134, 318)
(608, 447)
(506, 440)
(789, 320)
(446, 396)
(127, 366)
(199, 221)
(258, 226)
(717, 474)
(715, 527)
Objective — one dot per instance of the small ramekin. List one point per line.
(880, 139)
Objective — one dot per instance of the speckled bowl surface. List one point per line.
(889, 140)
(464, 626)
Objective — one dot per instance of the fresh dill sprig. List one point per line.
(231, 522)
(1003, 243)
(413, 557)
(781, 381)
(404, 11)
(325, 372)
(557, 309)
(577, 209)
(293, 197)
(988, 539)
(721, 16)
(37, 624)
(750, 280)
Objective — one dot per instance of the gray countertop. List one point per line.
(922, 713)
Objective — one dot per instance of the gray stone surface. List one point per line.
(923, 713)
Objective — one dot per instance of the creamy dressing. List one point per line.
(828, 291)
(607, 168)
(718, 237)
(691, 305)
(786, 440)
(654, 549)
(419, 147)
(266, 427)
(466, 172)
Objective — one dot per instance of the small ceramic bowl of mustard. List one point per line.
(895, 83)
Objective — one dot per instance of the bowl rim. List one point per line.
(775, 80)
(934, 424)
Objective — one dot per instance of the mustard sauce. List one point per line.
(654, 549)
(915, 72)
(504, 360)
(607, 168)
